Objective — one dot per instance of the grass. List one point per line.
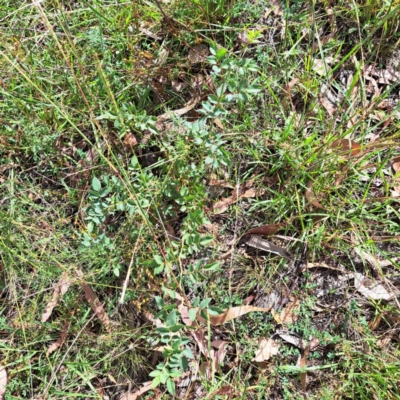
(82, 82)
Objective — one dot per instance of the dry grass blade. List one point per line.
(56, 345)
(3, 382)
(60, 289)
(96, 305)
(262, 244)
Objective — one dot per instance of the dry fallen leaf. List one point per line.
(314, 342)
(288, 314)
(294, 340)
(328, 105)
(136, 395)
(383, 342)
(320, 67)
(222, 390)
(266, 230)
(276, 7)
(130, 140)
(385, 76)
(219, 355)
(310, 196)
(198, 53)
(371, 259)
(243, 192)
(262, 244)
(56, 345)
(345, 147)
(396, 164)
(200, 338)
(3, 382)
(232, 313)
(60, 289)
(220, 183)
(97, 307)
(266, 349)
(287, 93)
(370, 289)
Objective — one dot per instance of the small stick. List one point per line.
(121, 300)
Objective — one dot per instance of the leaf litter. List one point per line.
(61, 288)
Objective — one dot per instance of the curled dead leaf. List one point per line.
(265, 245)
(96, 306)
(396, 164)
(288, 314)
(243, 192)
(60, 289)
(60, 341)
(310, 196)
(231, 314)
(265, 230)
(130, 140)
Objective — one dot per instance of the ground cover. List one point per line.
(199, 199)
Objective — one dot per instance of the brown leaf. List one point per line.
(219, 355)
(383, 342)
(218, 124)
(3, 382)
(385, 76)
(60, 289)
(97, 307)
(266, 349)
(265, 230)
(288, 315)
(220, 183)
(136, 395)
(371, 289)
(287, 93)
(232, 313)
(345, 147)
(294, 340)
(149, 33)
(199, 337)
(310, 196)
(276, 7)
(223, 204)
(262, 244)
(130, 140)
(396, 164)
(198, 53)
(60, 341)
(328, 105)
(222, 390)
